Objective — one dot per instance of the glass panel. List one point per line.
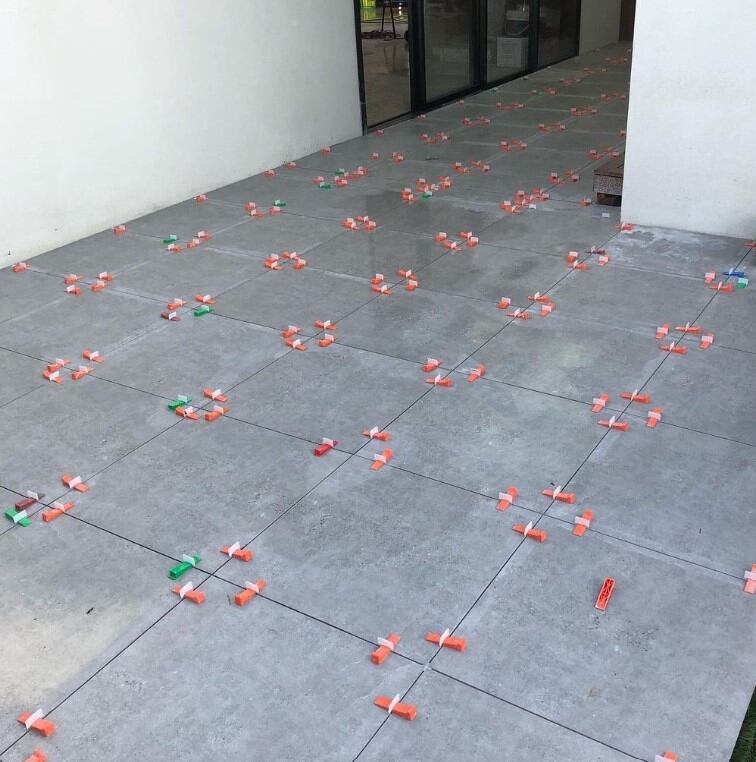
(558, 30)
(508, 38)
(448, 46)
(385, 59)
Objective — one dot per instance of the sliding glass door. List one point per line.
(558, 30)
(449, 28)
(509, 30)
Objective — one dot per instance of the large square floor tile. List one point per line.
(187, 218)
(218, 681)
(486, 436)
(676, 251)
(97, 321)
(202, 486)
(703, 390)
(667, 666)
(76, 428)
(85, 597)
(639, 488)
(189, 272)
(457, 721)
(335, 392)
(418, 324)
(570, 357)
(187, 357)
(295, 297)
(552, 228)
(19, 375)
(384, 251)
(102, 252)
(624, 297)
(387, 551)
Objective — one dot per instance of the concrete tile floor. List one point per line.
(90, 628)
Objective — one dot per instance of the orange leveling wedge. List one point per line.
(385, 648)
(605, 594)
(394, 706)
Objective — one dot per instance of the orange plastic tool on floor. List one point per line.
(251, 589)
(394, 706)
(527, 531)
(750, 578)
(445, 640)
(582, 523)
(605, 594)
(557, 494)
(385, 648)
(507, 498)
(35, 721)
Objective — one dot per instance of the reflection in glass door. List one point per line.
(449, 27)
(558, 29)
(508, 38)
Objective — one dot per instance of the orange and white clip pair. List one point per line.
(539, 297)
(74, 482)
(380, 459)
(119, 229)
(376, 433)
(662, 331)
(519, 314)
(201, 198)
(438, 380)
(557, 494)
(431, 364)
(187, 591)
(599, 403)
(217, 412)
(187, 412)
(473, 374)
(395, 706)
(633, 396)
(539, 535)
(445, 640)
(92, 355)
(507, 498)
(750, 580)
(674, 348)
(613, 423)
(57, 509)
(236, 551)
(206, 299)
(385, 648)
(504, 303)
(707, 340)
(688, 328)
(215, 395)
(471, 240)
(251, 589)
(726, 288)
(653, 417)
(80, 372)
(324, 325)
(381, 289)
(296, 343)
(667, 756)
(582, 523)
(35, 721)
(37, 755)
(20, 267)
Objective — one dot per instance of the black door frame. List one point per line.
(479, 43)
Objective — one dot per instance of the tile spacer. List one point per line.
(326, 446)
(383, 289)
(519, 314)
(296, 344)
(327, 340)
(74, 482)
(324, 325)
(504, 303)
(187, 412)
(119, 229)
(653, 417)
(181, 401)
(56, 510)
(376, 433)
(599, 403)
(672, 347)
(431, 364)
(527, 531)
(27, 502)
(215, 395)
(204, 299)
(237, 552)
(170, 315)
(557, 494)
(35, 721)
(394, 706)
(385, 648)
(507, 498)
(688, 328)
(20, 267)
(187, 591)
(187, 563)
(380, 459)
(582, 523)
(52, 375)
(633, 396)
(437, 380)
(92, 355)
(251, 589)
(37, 755)
(750, 578)
(607, 588)
(205, 309)
(216, 412)
(443, 640)
(546, 310)
(668, 756)
(475, 373)
(613, 423)
(289, 331)
(18, 517)
(706, 340)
